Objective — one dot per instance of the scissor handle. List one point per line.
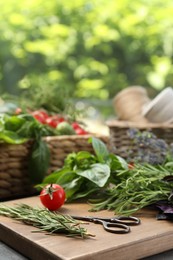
(130, 220)
(116, 228)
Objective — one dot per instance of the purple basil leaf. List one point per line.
(165, 208)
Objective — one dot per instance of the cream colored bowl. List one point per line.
(160, 109)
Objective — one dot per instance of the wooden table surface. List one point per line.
(149, 238)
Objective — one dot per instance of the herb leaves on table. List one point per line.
(85, 174)
(107, 181)
(51, 222)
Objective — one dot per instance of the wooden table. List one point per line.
(149, 238)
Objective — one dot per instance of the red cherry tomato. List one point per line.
(78, 129)
(41, 116)
(53, 121)
(52, 196)
(75, 125)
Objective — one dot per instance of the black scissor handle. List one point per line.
(130, 220)
(116, 228)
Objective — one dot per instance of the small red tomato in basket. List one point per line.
(81, 131)
(53, 121)
(40, 115)
(78, 129)
(52, 196)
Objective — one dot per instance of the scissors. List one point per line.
(117, 225)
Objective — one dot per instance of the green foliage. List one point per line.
(39, 161)
(46, 221)
(19, 129)
(87, 49)
(85, 174)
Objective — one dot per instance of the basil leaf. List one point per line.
(72, 187)
(27, 117)
(39, 161)
(11, 137)
(98, 174)
(84, 155)
(29, 129)
(52, 178)
(85, 193)
(13, 123)
(100, 149)
(117, 163)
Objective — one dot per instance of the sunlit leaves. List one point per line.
(97, 47)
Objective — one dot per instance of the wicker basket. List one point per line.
(14, 180)
(121, 143)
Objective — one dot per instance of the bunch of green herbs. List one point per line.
(46, 221)
(19, 129)
(109, 183)
(145, 185)
(54, 98)
(85, 173)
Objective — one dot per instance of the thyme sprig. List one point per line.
(44, 220)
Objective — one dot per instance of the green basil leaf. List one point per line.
(84, 155)
(100, 149)
(84, 193)
(13, 123)
(11, 137)
(28, 129)
(39, 161)
(66, 179)
(69, 180)
(118, 163)
(54, 176)
(27, 117)
(72, 187)
(98, 174)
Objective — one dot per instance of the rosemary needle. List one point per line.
(44, 220)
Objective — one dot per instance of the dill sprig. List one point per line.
(46, 221)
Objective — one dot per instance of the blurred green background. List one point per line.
(84, 51)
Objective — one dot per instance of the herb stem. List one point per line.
(51, 222)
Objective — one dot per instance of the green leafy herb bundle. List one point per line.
(145, 185)
(109, 183)
(85, 174)
(46, 221)
(18, 129)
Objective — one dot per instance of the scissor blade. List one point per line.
(90, 219)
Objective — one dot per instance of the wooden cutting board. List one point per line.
(149, 238)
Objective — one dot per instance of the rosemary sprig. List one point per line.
(44, 220)
(143, 186)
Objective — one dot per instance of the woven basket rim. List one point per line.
(128, 124)
(73, 137)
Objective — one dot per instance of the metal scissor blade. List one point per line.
(89, 219)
